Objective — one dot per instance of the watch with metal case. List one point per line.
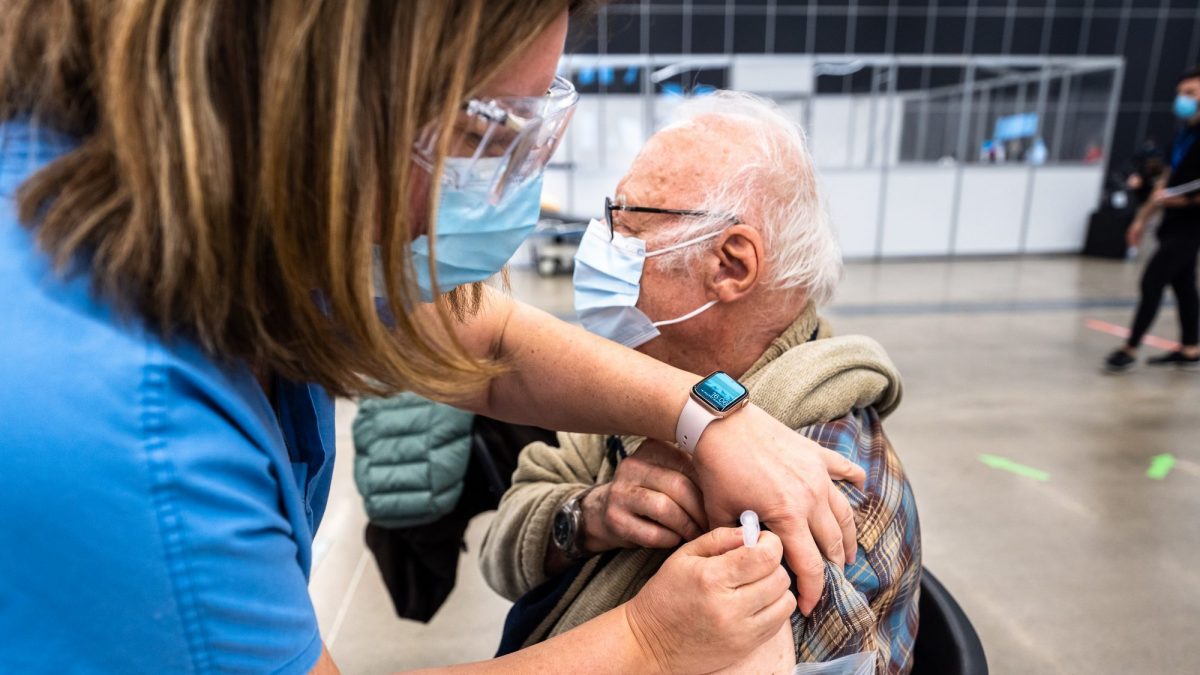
(715, 397)
(567, 529)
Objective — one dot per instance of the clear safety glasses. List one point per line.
(498, 144)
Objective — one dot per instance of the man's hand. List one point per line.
(1164, 202)
(712, 602)
(750, 460)
(1133, 236)
(652, 502)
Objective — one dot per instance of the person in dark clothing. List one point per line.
(1144, 171)
(1174, 263)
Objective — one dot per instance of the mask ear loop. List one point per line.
(687, 316)
(683, 244)
(676, 247)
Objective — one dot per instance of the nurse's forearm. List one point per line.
(562, 377)
(605, 644)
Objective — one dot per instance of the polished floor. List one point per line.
(1094, 570)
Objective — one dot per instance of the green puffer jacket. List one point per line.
(410, 456)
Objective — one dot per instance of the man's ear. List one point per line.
(738, 264)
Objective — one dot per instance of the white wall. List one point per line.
(919, 211)
(842, 132)
(1063, 197)
(991, 209)
(852, 197)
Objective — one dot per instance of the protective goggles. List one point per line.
(498, 144)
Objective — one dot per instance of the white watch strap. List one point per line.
(692, 422)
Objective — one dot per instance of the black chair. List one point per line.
(947, 643)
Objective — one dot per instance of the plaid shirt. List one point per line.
(872, 604)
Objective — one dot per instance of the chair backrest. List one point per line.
(947, 643)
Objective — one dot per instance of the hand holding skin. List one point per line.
(752, 461)
(652, 502)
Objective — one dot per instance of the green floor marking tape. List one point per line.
(1160, 466)
(1006, 464)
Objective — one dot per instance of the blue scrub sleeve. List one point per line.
(240, 586)
(150, 533)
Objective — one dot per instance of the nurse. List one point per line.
(216, 215)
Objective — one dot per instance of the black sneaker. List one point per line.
(1175, 359)
(1119, 361)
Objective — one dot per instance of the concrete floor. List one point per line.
(1088, 572)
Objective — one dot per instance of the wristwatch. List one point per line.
(715, 397)
(567, 530)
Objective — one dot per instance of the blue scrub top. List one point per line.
(156, 510)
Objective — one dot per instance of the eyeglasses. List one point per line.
(609, 207)
(499, 144)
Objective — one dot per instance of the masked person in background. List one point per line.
(190, 197)
(717, 232)
(1174, 263)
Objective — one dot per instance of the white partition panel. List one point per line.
(991, 209)
(834, 128)
(920, 210)
(581, 144)
(853, 199)
(556, 190)
(590, 189)
(624, 135)
(1063, 197)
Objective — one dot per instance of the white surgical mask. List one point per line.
(608, 276)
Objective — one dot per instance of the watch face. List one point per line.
(563, 529)
(720, 391)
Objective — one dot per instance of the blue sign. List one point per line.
(1016, 126)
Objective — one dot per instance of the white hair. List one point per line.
(776, 181)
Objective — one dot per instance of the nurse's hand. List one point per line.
(750, 460)
(712, 602)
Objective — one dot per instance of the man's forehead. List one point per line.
(680, 162)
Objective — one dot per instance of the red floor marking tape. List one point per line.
(1123, 332)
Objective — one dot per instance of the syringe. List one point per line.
(750, 527)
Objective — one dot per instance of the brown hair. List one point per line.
(237, 160)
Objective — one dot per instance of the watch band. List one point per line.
(692, 422)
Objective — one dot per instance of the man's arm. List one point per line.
(518, 539)
(1153, 205)
(562, 377)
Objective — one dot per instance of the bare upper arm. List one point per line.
(325, 665)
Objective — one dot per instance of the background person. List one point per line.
(626, 502)
(192, 197)
(1174, 263)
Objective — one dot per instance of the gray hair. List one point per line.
(776, 180)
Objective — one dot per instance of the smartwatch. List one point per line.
(715, 397)
(567, 530)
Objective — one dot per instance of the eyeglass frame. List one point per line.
(609, 207)
(562, 94)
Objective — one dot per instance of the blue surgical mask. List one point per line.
(474, 238)
(1185, 107)
(608, 277)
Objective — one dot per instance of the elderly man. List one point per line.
(715, 256)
